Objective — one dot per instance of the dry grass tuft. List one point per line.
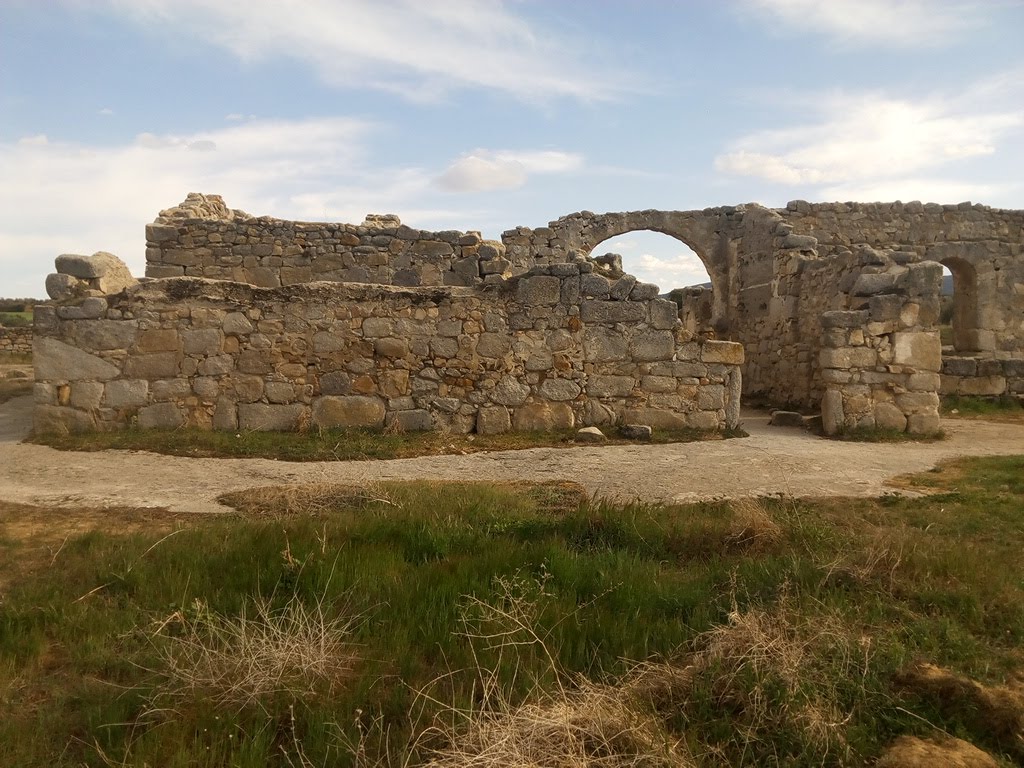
(246, 660)
(594, 726)
(777, 670)
(752, 526)
(912, 752)
(876, 563)
(575, 723)
(311, 499)
(995, 713)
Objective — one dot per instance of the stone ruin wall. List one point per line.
(984, 249)
(555, 348)
(16, 341)
(779, 278)
(202, 237)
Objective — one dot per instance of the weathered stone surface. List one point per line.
(160, 416)
(728, 352)
(594, 311)
(655, 345)
(126, 393)
(542, 417)
(261, 417)
(56, 360)
(541, 289)
(61, 287)
(923, 423)
(786, 419)
(510, 392)
(590, 435)
(599, 346)
(160, 365)
(635, 431)
(889, 416)
(349, 411)
(921, 350)
(86, 395)
(559, 389)
(416, 420)
(493, 420)
(53, 419)
(610, 386)
(832, 417)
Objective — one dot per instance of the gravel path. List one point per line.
(772, 460)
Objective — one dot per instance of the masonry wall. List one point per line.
(16, 340)
(557, 347)
(983, 247)
(202, 237)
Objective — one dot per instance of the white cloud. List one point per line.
(106, 111)
(416, 48)
(878, 22)
(873, 141)
(85, 198)
(485, 170)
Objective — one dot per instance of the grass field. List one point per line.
(16, 319)
(427, 624)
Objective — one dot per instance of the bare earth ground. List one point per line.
(772, 460)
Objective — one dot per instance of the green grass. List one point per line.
(16, 319)
(336, 445)
(982, 407)
(814, 610)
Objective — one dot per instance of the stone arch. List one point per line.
(965, 303)
(695, 229)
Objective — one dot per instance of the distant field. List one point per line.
(15, 319)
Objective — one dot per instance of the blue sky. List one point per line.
(488, 114)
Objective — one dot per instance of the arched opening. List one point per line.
(669, 263)
(958, 317)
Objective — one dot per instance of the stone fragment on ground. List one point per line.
(590, 435)
(786, 419)
(635, 431)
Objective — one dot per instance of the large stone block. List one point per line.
(889, 416)
(510, 392)
(86, 395)
(126, 393)
(601, 345)
(921, 350)
(728, 352)
(559, 389)
(415, 420)
(983, 385)
(659, 418)
(49, 419)
(543, 417)
(158, 340)
(610, 386)
(845, 358)
(161, 365)
(539, 289)
(493, 420)
(205, 341)
(161, 416)
(657, 345)
(833, 418)
(594, 311)
(261, 417)
(55, 360)
(348, 411)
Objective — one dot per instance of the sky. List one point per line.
(490, 114)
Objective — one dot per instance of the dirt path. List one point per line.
(772, 460)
